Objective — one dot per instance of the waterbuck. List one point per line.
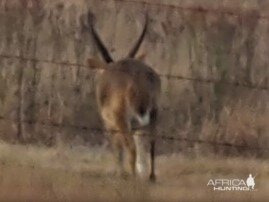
(127, 93)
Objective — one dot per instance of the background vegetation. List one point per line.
(213, 60)
(206, 52)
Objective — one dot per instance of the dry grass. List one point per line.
(75, 174)
(241, 125)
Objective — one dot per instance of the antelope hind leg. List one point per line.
(152, 176)
(131, 151)
(118, 155)
(141, 143)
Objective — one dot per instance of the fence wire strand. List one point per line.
(200, 9)
(157, 137)
(167, 76)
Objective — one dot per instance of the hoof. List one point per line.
(152, 178)
(124, 175)
(120, 174)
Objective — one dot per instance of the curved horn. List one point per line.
(104, 52)
(139, 41)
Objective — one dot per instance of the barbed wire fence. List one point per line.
(161, 137)
(158, 137)
(166, 76)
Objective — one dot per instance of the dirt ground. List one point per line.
(31, 173)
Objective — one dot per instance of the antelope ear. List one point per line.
(96, 64)
(141, 57)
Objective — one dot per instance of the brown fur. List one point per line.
(127, 94)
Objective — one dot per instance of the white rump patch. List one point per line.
(144, 120)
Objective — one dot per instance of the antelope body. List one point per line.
(127, 93)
